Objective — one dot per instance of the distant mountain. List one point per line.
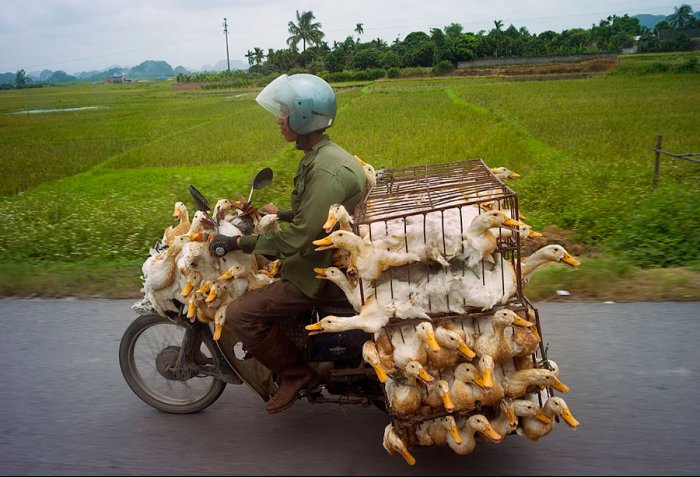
(181, 69)
(150, 69)
(8, 78)
(222, 66)
(650, 21)
(40, 75)
(60, 77)
(54, 77)
(90, 75)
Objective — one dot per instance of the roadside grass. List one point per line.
(609, 278)
(117, 278)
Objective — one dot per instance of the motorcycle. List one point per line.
(175, 365)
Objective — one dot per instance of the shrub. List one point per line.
(393, 72)
(690, 66)
(415, 71)
(443, 68)
(653, 236)
(339, 77)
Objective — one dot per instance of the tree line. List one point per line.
(442, 49)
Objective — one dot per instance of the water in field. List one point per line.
(58, 110)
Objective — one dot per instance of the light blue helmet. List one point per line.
(306, 99)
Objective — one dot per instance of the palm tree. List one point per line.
(250, 57)
(305, 30)
(682, 16)
(259, 55)
(499, 33)
(359, 30)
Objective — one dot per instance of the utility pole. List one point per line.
(228, 62)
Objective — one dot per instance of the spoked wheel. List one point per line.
(148, 356)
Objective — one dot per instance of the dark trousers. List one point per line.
(253, 314)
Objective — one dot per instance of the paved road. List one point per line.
(65, 409)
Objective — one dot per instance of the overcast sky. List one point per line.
(83, 35)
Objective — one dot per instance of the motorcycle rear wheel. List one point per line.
(144, 340)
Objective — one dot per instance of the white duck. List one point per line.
(351, 291)
(369, 261)
(180, 213)
(516, 383)
(195, 256)
(371, 319)
(194, 278)
(491, 391)
(162, 281)
(255, 280)
(494, 287)
(223, 221)
(479, 241)
(370, 177)
(198, 306)
(393, 443)
(506, 421)
(510, 409)
(234, 286)
(195, 249)
(338, 214)
(434, 432)
(439, 396)
(525, 231)
(525, 340)
(549, 253)
(496, 344)
(534, 428)
(467, 429)
(504, 173)
(385, 351)
(452, 346)
(465, 387)
(403, 394)
(219, 298)
(443, 293)
(161, 270)
(201, 224)
(409, 343)
(370, 355)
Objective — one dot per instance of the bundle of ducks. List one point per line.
(455, 342)
(180, 273)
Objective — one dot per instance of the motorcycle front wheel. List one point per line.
(152, 340)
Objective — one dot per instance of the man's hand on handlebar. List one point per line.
(222, 244)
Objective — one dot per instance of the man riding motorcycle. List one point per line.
(305, 106)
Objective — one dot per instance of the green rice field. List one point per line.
(85, 193)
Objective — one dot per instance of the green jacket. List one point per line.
(326, 175)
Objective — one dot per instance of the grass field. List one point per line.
(86, 193)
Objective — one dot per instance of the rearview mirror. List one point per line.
(199, 200)
(262, 178)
